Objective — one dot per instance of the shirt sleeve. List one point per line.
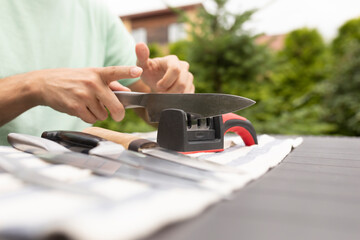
(120, 47)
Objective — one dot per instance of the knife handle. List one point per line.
(241, 126)
(128, 141)
(79, 139)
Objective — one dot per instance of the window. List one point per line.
(140, 35)
(176, 32)
(158, 34)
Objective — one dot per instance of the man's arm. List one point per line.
(18, 94)
(82, 92)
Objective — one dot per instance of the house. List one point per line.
(163, 27)
(274, 42)
(160, 26)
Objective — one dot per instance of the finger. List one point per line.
(172, 73)
(185, 65)
(183, 85)
(142, 54)
(112, 103)
(114, 73)
(116, 86)
(85, 114)
(192, 88)
(98, 110)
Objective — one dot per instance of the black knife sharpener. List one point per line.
(183, 132)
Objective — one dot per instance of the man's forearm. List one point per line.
(17, 94)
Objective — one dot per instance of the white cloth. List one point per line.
(126, 210)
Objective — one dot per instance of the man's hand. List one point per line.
(166, 74)
(86, 92)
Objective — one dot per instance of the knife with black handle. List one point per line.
(95, 139)
(102, 147)
(53, 152)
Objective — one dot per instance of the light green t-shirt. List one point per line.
(44, 34)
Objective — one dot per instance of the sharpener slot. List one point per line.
(184, 132)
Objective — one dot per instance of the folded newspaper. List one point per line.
(74, 203)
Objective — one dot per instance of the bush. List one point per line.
(343, 97)
(155, 50)
(131, 123)
(291, 102)
(180, 49)
(349, 32)
(223, 56)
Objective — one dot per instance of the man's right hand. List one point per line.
(83, 92)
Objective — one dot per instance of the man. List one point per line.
(61, 57)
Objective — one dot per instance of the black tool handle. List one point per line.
(240, 125)
(73, 138)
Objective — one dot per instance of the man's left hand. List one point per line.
(164, 74)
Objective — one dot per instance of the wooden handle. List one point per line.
(128, 141)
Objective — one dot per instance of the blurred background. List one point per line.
(300, 60)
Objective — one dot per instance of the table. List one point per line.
(313, 194)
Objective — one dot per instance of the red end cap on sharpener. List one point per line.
(180, 132)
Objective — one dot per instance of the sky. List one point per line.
(273, 16)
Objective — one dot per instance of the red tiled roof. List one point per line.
(275, 42)
(159, 12)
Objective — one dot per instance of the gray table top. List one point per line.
(313, 194)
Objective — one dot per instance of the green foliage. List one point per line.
(155, 50)
(349, 32)
(180, 49)
(287, 85)
(131, 123)
(343, 97)
(222, 55)
(297, 85)
(301, 65)
(306, 88)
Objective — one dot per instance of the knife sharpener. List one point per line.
(185, 133)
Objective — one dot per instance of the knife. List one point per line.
(199, 105)
(151, 148)
(101, 147)
(32, 176)
(53, 152)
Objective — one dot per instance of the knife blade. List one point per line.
(32, 176)
(199, 105)
(116, 152)
(55, 153)
(101, 147)
(151, 148)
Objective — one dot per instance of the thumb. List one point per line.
(143, 54)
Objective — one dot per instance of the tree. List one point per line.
(223, 56)
(302, 64)
(349, 32)
(343, 96)
(293, 103)
(180, 49)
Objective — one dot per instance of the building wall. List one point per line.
(159, 26)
